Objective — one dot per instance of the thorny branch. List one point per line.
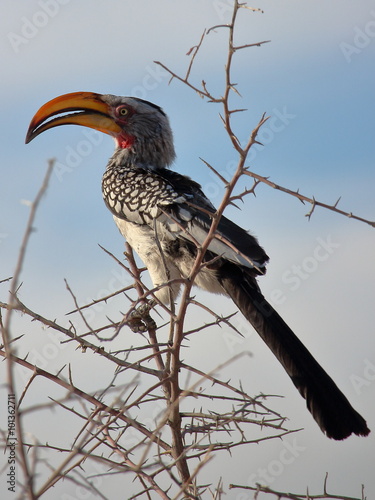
(314, 203)
(297, 496)
(158, 419)
(228, 112)
(6, 333)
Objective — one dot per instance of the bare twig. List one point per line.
(314, 203)
(6, 333)
(296, 496)
(144, 427)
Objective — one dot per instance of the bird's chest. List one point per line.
(136, 195)
(177, 260)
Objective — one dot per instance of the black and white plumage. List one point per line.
(155, 207)
(150, 205)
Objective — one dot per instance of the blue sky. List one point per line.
(315, 79)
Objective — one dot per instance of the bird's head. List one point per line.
(140, 128)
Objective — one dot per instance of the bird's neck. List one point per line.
(146, 153)
(125, 141)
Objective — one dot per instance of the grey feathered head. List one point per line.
(140, 128)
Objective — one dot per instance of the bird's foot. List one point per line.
(139, 320)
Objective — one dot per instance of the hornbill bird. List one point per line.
(158, 210)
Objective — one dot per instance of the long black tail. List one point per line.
(327, 404)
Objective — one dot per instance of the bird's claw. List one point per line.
(139, 320)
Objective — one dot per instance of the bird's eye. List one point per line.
(123, 111)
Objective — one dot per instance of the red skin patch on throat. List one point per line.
(125, 141)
